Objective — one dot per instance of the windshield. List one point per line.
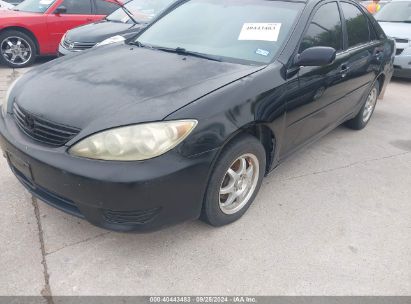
(395, 12)
(235, 30)
(143, 10)
(34, 6)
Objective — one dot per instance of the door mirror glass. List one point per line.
(316, 56)
(60, 10)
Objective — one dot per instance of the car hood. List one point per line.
(396, 29)
(118, 84)
(99, 31)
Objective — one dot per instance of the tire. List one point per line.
(360, 121)
(17, 45)
(217, 210)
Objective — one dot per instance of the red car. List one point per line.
(35, 27)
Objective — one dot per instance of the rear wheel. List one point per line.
(18, 49)
(364, 116)
(235, 181)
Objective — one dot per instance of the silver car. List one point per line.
(395, 19)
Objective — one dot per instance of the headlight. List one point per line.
(63, 38)
(7, 97)
(111, 40)
(133, 143)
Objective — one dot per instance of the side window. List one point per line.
(77, 7)
(357, 25)
(325, 28)
(105, 8)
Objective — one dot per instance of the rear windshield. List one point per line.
(244, 30)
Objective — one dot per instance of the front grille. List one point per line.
(43, 130)
(399, 40)
(137, 217)
(399, 52)
(78, 46)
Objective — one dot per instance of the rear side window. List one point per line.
(105, 8)
(77, 7)
(325, 28)
(357, 25)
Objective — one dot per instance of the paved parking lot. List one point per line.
(335, 219)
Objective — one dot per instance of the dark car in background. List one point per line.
(124, 23)
(184, 120)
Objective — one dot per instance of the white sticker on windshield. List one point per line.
(46, 2)
(262, 52)
(260, 31)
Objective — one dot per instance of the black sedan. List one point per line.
(124, 23)
(184, 120)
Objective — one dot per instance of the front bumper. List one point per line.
(121, 196)
(402, 65)
(64, 52)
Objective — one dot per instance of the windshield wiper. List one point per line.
(129, 14)
(139, 44)
(178, 50)
(183, 51)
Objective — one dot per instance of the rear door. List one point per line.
(78, 12)
(365, 55)
(319, 87)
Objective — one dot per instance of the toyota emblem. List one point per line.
(29, 122)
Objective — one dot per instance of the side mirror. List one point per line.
(60, 10)
(316, 56)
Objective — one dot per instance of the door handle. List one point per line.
(344, 70)
(379, 54)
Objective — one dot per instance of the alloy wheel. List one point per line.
(16, 50)
(239, 184)
(370, 105)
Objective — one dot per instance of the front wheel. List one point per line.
(18, 50)
(364, 116)
(235, 181)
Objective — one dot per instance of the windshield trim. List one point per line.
(134, 39)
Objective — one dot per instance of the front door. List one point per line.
(78, 12)
(319, 87)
